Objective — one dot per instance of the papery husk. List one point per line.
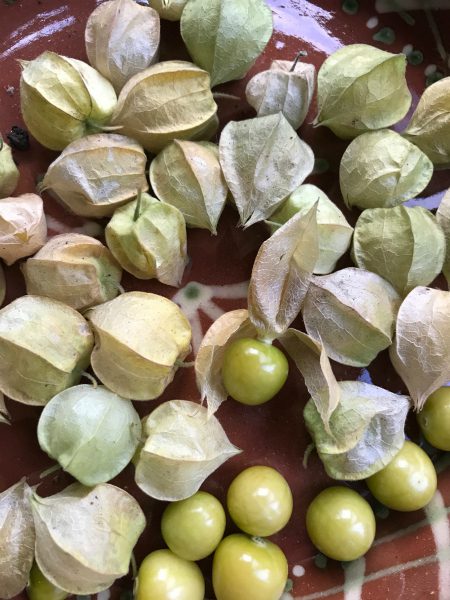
(405, 246)
(443, 219)
(40, 588)
(263, 161)
(360, 88)
(4, 414)
(429, 127)
(170, 100)
(281, 274)
(169, 9)
(225, 38)
(95, 175)
(75, 269)
(23, 228)
(381, 169)
(139, 340)
(333, 231)
(226, 329)
(63, 99)
(85, 421)
(9, 173)
(312, 362)
(44, 348)
(184, 445)
(148, 239)
(421, 350)
(2, 285)
(188, 175)
(85, 536)
(17, 538)
(122, 39)
(352, 313)
(281, 89)
(366, 430)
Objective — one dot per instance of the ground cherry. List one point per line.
(165, 576)
(340, 523)
(193, 528)
(434, 419)
(40, 588)
(408, 482)
(253, 371)
(246, 568)
(259, 501)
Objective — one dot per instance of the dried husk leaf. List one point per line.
(40, 588)
(44, 348)
(170, 100)
(226, 329)
(86, 421)
(381, 169)
(188, 175)
(263, 161)
(4, 414)
(360, 88)
(139, 339)
(122, 39)
(333, 231)
(85, 536)
(443, 219)
(281, 274)
(16, 539)
(279, 89)
(9, 173)
(75, 269)
(148, 239)
(95, 175)
(2, 285)
(429, 128)
(312, 362)
(23, 228)
(405, 246)
(169, 9)
(225, 38)
(421, 350)
(367, 430)
(352, 313)
(184, 446)
(63, 99)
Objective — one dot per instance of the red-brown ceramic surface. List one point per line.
(411, 555)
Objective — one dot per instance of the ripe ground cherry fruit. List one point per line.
(259, 501)
(434, 419)
(253, 371)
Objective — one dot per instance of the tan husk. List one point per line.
(228, 327)
(188, 175)
(9, 173)
(4, 414)
(281, 274)
(44, 348)
(421, 350)
(17, 538)
(23, 228)
(75, 269)
(148, 239)
(281, 89)
(85, 536)
(170, 100)
(2, 285)
(169, 9)
(443, 219)
(184, 445)
(95, 175)
(63, 99)
(139, 339)
(122, 39)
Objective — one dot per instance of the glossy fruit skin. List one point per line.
(39, 588)
(434, 419)
(408, 482)
(259, 501)
(193, 528)
(253, 371)
(340, 523)
(246, 568)
(165, 576)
